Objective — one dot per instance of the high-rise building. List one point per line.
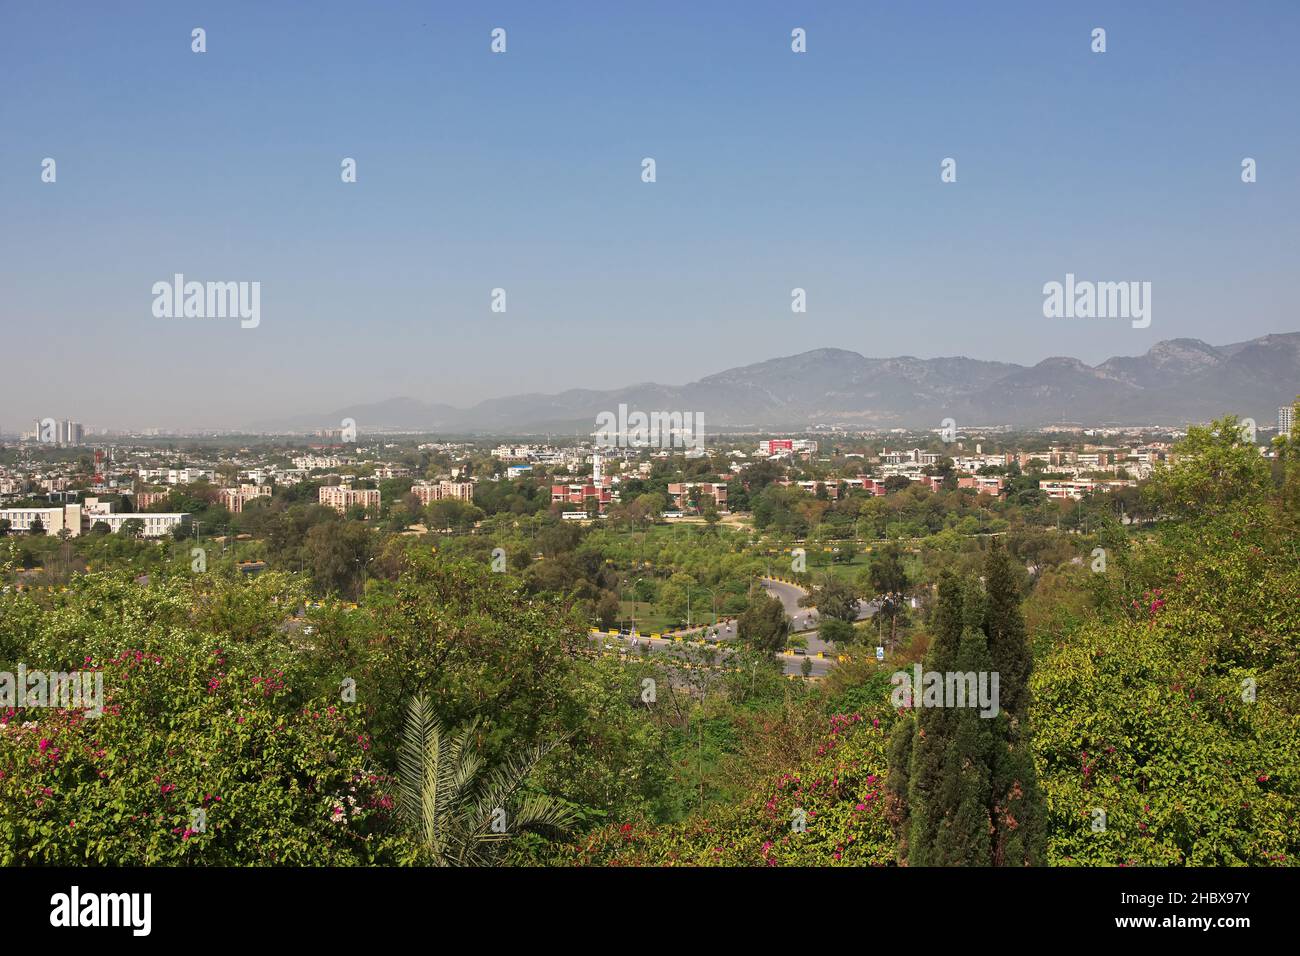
(55, 432)
(1285, 420)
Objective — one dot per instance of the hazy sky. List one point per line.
(523, 171)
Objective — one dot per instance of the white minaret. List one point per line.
(596, 464)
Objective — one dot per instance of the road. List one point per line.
(693, 643)
(693, 649)
(805, 619)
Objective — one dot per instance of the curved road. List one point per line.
(804, 622)
(804, 618)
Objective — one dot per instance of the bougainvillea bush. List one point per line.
(838, 791)
(205, 753)
(1173, 712)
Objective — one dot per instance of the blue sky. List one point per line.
(522, 171)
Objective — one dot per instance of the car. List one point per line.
(798, 650)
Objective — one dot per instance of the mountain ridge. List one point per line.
(1174, 382)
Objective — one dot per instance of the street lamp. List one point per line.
(634, 602)
(712, 593)
(622, 590)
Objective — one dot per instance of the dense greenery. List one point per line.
(1149, 710)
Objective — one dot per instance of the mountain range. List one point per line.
(1176, 382)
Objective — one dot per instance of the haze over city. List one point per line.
(524, 172)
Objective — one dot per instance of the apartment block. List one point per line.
(1076, 489)
(582, 493)
(343, 497)
(147, 499)
(985, 485)
(235, 498)
(428, 491)
(681, 493)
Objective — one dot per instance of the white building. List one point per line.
(310, 462)
(53, 520)
(155, 525)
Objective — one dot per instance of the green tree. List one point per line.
(836, 631)
(887, 578)
(764, 624)
(1215, 469)
(834, 598)
(963, 791)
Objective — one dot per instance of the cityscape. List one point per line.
(685, 439)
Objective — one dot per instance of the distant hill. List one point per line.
(1175, 382)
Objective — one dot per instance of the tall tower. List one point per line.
(597, 468)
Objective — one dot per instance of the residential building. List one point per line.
(235, 498)
(428, 491)
(343, 497)
(1078, 488)
(683, 491)
(985, 485)
(584, 494)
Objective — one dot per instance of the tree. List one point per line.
(607, 609)
(132, 528)
(453, 805)
(1214, 470)
(888, 578)
(763, 624)
(337, 552)
(37, 526)
(962, 785)
(711, 516)
(835, 631)
(834, 598)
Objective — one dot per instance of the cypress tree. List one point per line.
(1018, 809)
(962, 787)
(964, 834)
(896, 786)
(1005, 628)
(933, 730)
